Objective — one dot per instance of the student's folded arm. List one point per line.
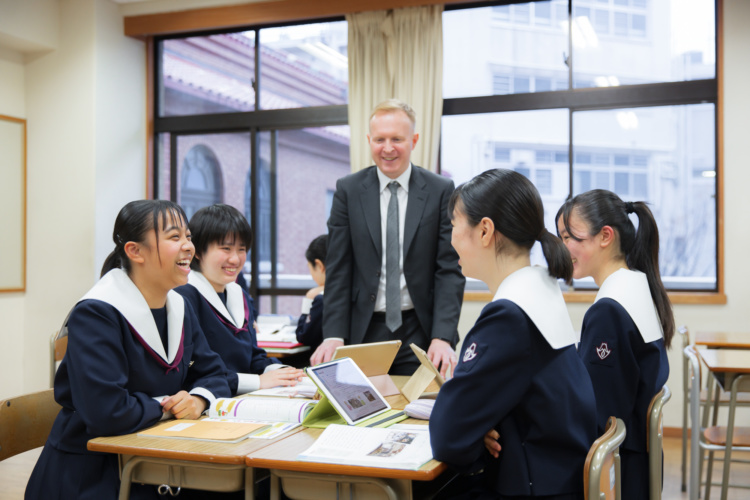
(487, 385)
(97, 366)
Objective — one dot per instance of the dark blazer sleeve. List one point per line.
(339, 268)
(449, 281)
(259, 359)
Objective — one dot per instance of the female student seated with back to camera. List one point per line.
(136, 354)
(518, 373)
(310, 324)
(625, 331)
(222, 236)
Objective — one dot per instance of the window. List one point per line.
(268, 139)
(647, 132)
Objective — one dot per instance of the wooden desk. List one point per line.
(312, 480)
(723, 340)
(183, 462)
(731, 370)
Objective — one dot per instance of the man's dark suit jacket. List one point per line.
(354, 259)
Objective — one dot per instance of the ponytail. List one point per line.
(113, 261)
(639, 248)
(513, 204)
(557, 256)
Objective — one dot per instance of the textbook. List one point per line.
(222, 431)
(262, 409)
(370, 447)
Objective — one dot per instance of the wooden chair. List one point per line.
(743, 399)
(601, 473)
(58, 344)
(655, 433)
(26, 421)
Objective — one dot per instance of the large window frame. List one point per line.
(198, 22)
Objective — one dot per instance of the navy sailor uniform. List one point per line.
(622, 346)
(114, 374)
(519, 374)
(310, 323)
(229, 330)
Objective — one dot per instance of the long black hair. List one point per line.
(215, 224)
(133, 222)
(639, 248)
(513, 204)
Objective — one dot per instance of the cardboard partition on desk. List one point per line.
(374, 359)
(423, 377)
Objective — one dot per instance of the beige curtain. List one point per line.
(396, 54)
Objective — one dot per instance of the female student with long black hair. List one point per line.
(310, 323)
(518, 373)
(222, 237)
(626, 331)
(135, 355)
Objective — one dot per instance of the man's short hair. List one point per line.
(392, 105)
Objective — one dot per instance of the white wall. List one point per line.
(85, 105)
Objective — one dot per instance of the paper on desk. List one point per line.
(305, 388)
(274, 429)
(370, 447)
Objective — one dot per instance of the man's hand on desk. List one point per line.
(325, 351)
(442, 355)
(283, 376)
(184, 405)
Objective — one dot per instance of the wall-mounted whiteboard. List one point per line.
(12, 204)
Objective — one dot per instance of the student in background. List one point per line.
(222, 236)
(626, 331)
(518, 376)
(310, 324)
(136, 355)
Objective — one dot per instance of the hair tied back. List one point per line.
(629, 207)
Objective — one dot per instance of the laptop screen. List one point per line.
(348, 386)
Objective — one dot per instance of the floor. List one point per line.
(14, 474)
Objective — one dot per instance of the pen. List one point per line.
(386, 419)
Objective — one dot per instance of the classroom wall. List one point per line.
(85, 104)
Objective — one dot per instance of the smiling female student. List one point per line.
(222, 237)
(518, 373)
(626, 331)
(135, 355)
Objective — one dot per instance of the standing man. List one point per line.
(392, 273)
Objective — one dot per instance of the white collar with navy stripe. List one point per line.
(118, 290)
(234, 311)
(630, 290)
(536, 292)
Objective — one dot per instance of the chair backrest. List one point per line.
(58, 344)
(654, 442)
(601, 473)
(685, 336)
(26, 421)
(694, 372)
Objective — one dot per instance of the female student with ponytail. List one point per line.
(226, 313)
(135, 355)
(626, 331)
(518, 377)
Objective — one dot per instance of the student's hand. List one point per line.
(442, 355)
(283, 376)
(325, 351)
(491, 442)
(314, 292)
(184, 405)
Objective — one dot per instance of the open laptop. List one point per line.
(348, 390)
(374, 359)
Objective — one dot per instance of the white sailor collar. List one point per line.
(536, 292)
(630, 289)
(234, 311)
(118, 290)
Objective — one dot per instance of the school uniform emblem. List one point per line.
(470, 352)
(603, 351)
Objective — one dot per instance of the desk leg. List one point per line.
(249, 483)
(275, 486)
(695, 426)
(126, 479)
